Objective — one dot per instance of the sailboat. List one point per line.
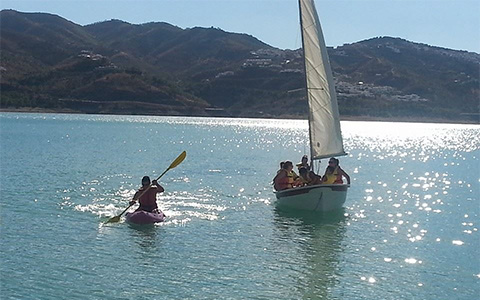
(325, 135)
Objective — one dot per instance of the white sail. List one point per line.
(324, 121)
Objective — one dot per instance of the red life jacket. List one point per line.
(148, 201)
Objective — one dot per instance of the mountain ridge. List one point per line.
(50, 62)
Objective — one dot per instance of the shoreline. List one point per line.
(294, 117)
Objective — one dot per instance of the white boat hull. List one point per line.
(324, 197)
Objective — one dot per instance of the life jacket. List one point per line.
(148, 201)
(281, 183)
(292, 177)
(334, 177)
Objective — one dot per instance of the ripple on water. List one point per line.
(179, 207)
(410, 228)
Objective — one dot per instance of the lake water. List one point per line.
(409, 229)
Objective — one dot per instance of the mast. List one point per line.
(306, 84)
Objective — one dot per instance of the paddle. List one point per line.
(175, 163)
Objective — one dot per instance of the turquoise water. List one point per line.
(409, 229)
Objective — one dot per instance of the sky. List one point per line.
(453, 24)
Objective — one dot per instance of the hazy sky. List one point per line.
(452, 24)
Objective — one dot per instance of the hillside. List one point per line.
(158, 68)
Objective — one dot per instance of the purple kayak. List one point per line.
(144, 217)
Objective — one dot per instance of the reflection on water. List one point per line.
(318, 237)
(309, 218)
(145, 236)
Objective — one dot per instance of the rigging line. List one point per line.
(306, 26)
(320, 106)
(321, 64)
(321, 109)
(314, 68)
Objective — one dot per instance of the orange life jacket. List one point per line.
(281, 183)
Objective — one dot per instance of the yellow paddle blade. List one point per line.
(175, 163)
(178, 160)
(113, 220)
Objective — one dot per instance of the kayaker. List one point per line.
(148, 201)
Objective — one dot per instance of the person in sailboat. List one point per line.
(304, 163)
(334, 174)
(308, 177)
(286, 178)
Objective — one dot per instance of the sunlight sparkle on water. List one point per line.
(369, 279)
(412, 261)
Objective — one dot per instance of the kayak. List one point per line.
(144, 217)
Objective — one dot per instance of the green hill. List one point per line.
(157, 68)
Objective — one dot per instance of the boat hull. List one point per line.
(324, 197)
(144, 217)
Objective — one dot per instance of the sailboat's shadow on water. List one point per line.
(319, 238)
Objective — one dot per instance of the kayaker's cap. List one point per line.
(145, 180)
